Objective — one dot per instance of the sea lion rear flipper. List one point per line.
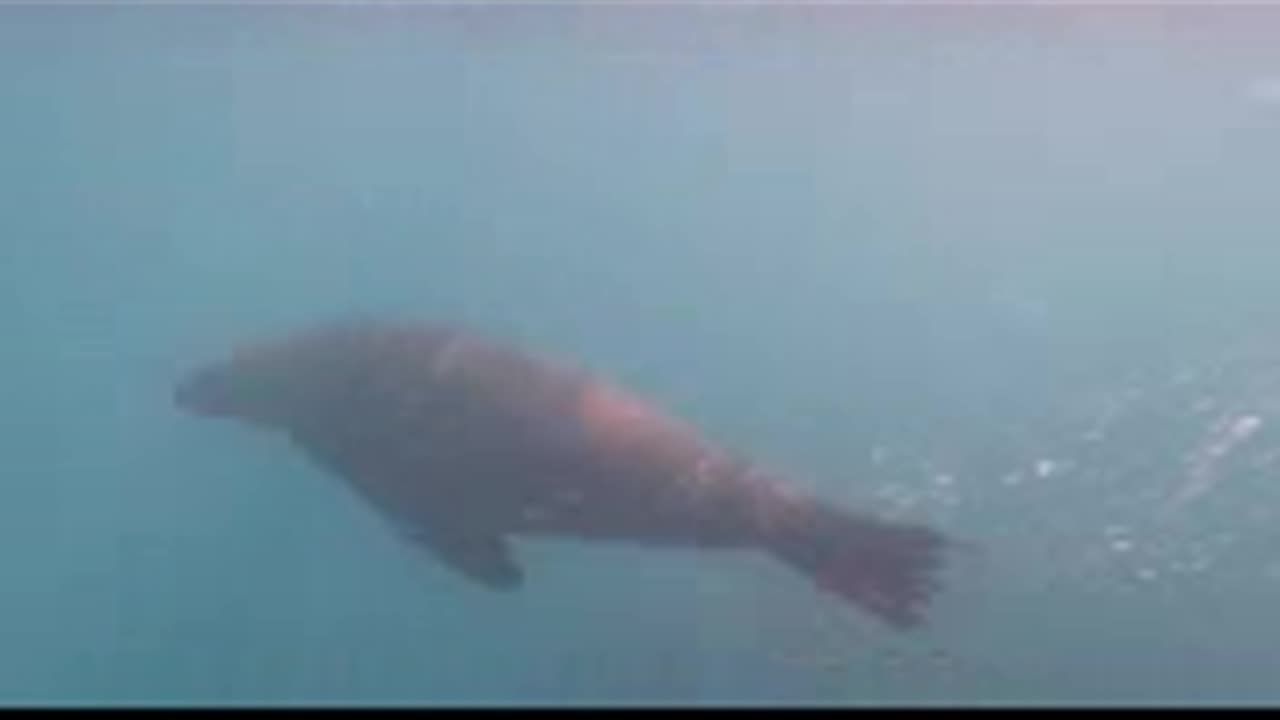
(887, 569)
(485, 558)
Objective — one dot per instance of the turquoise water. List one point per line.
(1011, 272)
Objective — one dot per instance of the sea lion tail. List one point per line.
(884, 568)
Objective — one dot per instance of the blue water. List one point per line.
(1010, 272)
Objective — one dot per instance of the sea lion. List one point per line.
(465, 442)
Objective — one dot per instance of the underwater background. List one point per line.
(1009, 271)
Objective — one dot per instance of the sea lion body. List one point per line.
(465, 443)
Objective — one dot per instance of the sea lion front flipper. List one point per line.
(485, 558)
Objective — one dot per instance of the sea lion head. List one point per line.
(277, 383)
(257, 386)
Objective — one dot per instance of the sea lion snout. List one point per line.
(202, 393)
